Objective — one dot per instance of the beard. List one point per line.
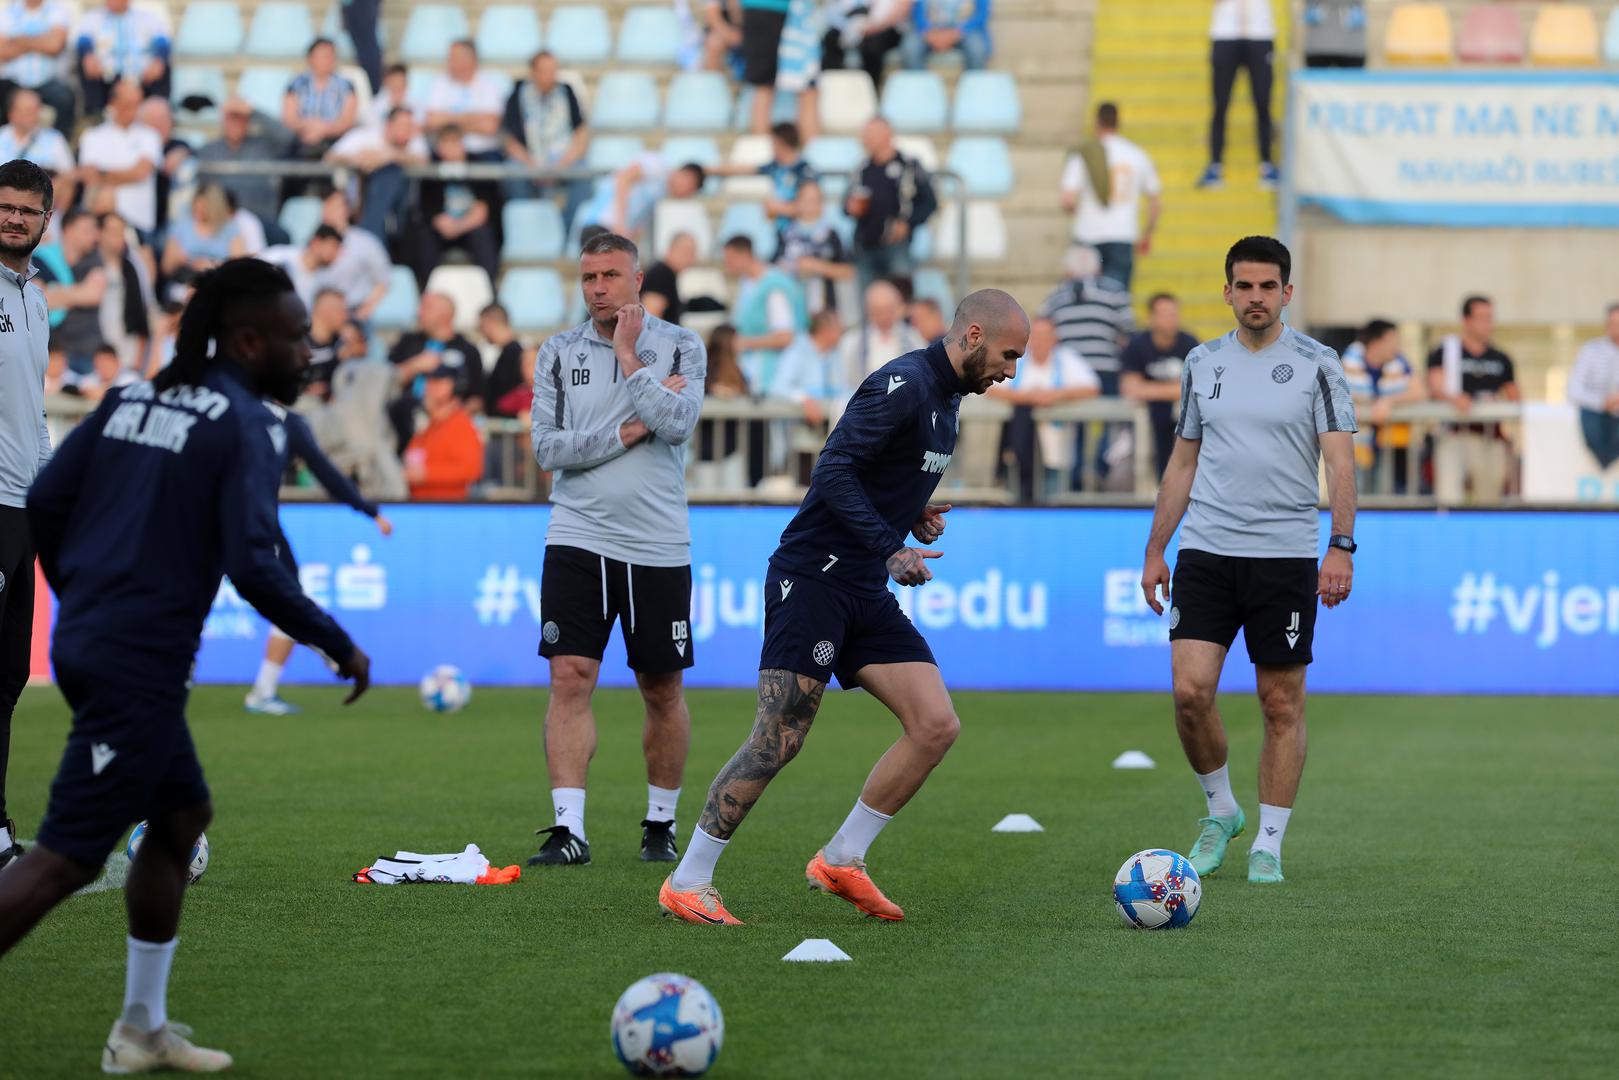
(975, 370)
(20, 243)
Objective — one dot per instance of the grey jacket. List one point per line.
(25, 443)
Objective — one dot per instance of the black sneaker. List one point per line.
(561, 848)
(13, 852)
(658, 842)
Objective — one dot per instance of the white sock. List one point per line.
(570, 804)
(146, 984)
(5, 838)
(660, 802)
(1217, 788)
(859, 829)
(1272, 827)
(697, 865)
(269, 679)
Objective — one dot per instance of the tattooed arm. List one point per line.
(787, 705)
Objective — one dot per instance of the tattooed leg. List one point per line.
(787, 705)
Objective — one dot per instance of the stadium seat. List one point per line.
(1418, 34)
(279, 31)
(397, 311)
(698, 101)
(1564, 36)
(533, 230)
(576, 306)
(704, 281)
(532, 295)
(922, 242)
(418, 81)
(198, 80)
(362, 85)
(264, 88)
(673, 216)
(986, 231)
(984, 164)
(679, 149)
(847, 101)
(300, 216)
(159, 8)
(429, 31)
(608, 152)
(332, 27)
(987, 103)
(1490, 34)
(749, 219)
(916, 102)
(468, 287)
(751, 151)
(834, 154)
(1610, 46)
(931, 283)
(649, 35)
(579, 34)
(209, 28)
(918, 148)
(508, 34)
(625, 101)
(783, 108)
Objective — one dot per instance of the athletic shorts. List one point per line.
(129, 758)
(761, 45)
(16, 609)
(817, 630)
(1271, 600)
(582, 593)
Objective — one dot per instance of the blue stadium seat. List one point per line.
(533, 296)
(921, 243)
(625, 101)
(264, 88)
(418, 81)
(783, 109)
(429, 31)
(698, 101)
(931, 283)
(198, 80)
(987, 102)
(843, 225)
(749, 219)
(508, 34)
(533, 229)
(332, 27)
(579, 34)
(679, 149)
(209, 28)
(834, 154)
(398, 308)
(1610, 47)
(649, 35)
(916, 102)
(984, 164)
(611, 151)
(300, 216)
(280, 31)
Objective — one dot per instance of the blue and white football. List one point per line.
(1157, 890)
(445, 690)
(667, 1025)
(199, 853)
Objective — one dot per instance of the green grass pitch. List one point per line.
(1450, 908)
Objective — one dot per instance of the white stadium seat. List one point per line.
(468, 286)
(847, 101)
(673, 216)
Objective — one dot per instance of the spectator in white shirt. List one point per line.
(380, 156)
(1593, 386)
(118, 162)
(810, 370)
(116, 43)
(1110, 220)
(470, 99)
(362, 269)
(1050, 374)
(26, 138)
(1243, 33)
(884, 335)
(33, 37)
(304, 264)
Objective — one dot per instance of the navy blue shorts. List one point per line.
(129, 758)
(817, 630)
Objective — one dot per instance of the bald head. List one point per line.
(991, 309)
(884, 304)
(989, 334)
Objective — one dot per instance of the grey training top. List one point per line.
(628, 505)
(1259, 416)
(25, 442)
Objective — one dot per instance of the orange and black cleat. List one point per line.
(853, 884)
(701, 905)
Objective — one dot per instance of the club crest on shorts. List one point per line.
(551, 633)
(1281, 373)
(822, 653)
(2, 582)
(1174, 617)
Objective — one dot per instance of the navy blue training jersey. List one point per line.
(876, 473)
(144, 506)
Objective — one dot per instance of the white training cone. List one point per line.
(816, 949)
(1133, 759)
(1017, 823)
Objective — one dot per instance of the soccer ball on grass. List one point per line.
(199, 853)
(445, 689)
(1156, 890)
(667, 1025)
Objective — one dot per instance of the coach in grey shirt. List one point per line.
(25, 444)
(615, 400)
(1260, 409)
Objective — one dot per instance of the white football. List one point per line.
(199, 853)
(1156, 890)
(667, 1025)
(445, 689)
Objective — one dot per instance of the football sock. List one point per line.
(146, 984)
(697, 865)
(570, 804)
(1272, 827)
(859, 829)
(660, 802)
(6, 838)
(1217, 788)
(269, 679)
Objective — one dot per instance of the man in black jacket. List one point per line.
(891, 198)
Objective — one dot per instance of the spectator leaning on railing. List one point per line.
(1379, 379)
(810, 371)
(1049, 374)
(118, 161)
(1150, 370)
(1465, 369)
(382, 155)
(470, 99)
(1593, 386)
(433, 345)
(33, 37)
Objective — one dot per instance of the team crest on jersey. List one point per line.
(1281, 373)
(823, 653)
(647, 357)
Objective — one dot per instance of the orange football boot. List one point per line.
(701, 905)
(853, 884)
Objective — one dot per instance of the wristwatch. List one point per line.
(1346, 543)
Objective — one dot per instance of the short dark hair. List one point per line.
(326, 232)
(395, 69)
(1472, 302)
(70, 217)
(696, 170)
(468, 42)
(1159, 297)
(496, 310)
(740, 243)
(317, 43)
(104, 349)
(607, 242)
(1107, 115)
(21, 175)
(329, 291)
(589, 233)
(787, 132)
(449, 131)
(1259, 249)
(1374, 330)
(541, 55)
(823, 318)
(397, 109)
(928, 302)
(1613, 309)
